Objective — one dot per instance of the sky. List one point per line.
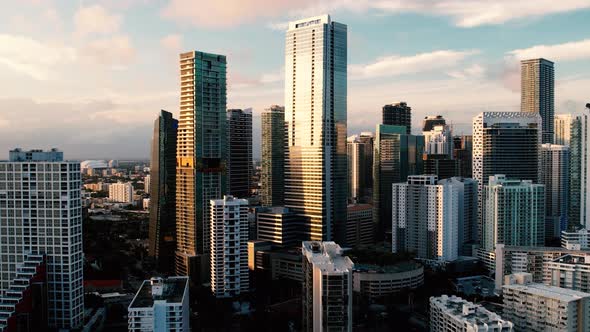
(90, 77)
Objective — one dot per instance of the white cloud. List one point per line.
(31, 57)
(172, 42)
(475, 71)
(558, 52)
(96, 19)
(395, 65)
(115, 51)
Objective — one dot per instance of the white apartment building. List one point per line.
(513, 214)
(575, 240)
(533, 260)
(571, 271)
(421, 201)
(454, 314)
(229, 246)
(160, 305)
(147, 183)
(534, 307)
(327, 288)
(41, 214)
(121, 192)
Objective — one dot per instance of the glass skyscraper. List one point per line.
(398, 114)
(538, 91)
(315, 115)
(200, 156)
(272, 171)
(162, 231)
(240, 168)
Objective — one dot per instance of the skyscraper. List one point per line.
(229, 247)
(538, 91)
(272, 173)
(513, 215)
(358, 168)
(162, 231)
(327, 287)
(562, 125)
(438, 138)
(398, 114)
(200, 156)
(315, 115)
(396, 155)
(506, 143)
(425, 218)
(467, 228)
(555, 177)
(239, 163)
(42, 215)
(462, 152)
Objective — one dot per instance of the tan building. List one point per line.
(537, 85)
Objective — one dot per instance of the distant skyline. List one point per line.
(90, 77)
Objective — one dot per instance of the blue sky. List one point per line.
(89, 77)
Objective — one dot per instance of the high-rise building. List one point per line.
(146, 183)
(398, 114)
(161, 305)
(537, 84)
(396, 155)
(201, 157)
(425, 218)
(454, 314)
(438, 136)
(555, 177)
(467, 224)
(506, 143)
(462, 152)
(562, 126)
(121, 192)
(315, 115)
(162, 231)
(40, 200)
(367, 138)
(359, 165)
(537, 308)
(239, 162)
(279, 226)
(229, 247)
(327, 287)
(359, 225)
(513, 214)
(272, 165)
(440, 165)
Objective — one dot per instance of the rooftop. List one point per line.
(552, 292)
(393, 268)
(173, 290)
(573, 259)
(466, 311)
(327, 256)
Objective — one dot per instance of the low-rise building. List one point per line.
(535, 307)
(374, 281)
(160, 305)
(454, 314)
(575, 240)
(121, 192)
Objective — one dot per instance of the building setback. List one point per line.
(272, 172)
(162, 206)
(40, 200)
(315, 115)
(201, 157)
(537, 85)
(327, 287)
(229, 247)
(240, 169)
(398, 114)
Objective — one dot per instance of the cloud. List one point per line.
(114, 51)
(96, 19)
(475, 71)
(575, 50)
(463, 13)
(172, 42)
(31, 57)
(395, 65)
